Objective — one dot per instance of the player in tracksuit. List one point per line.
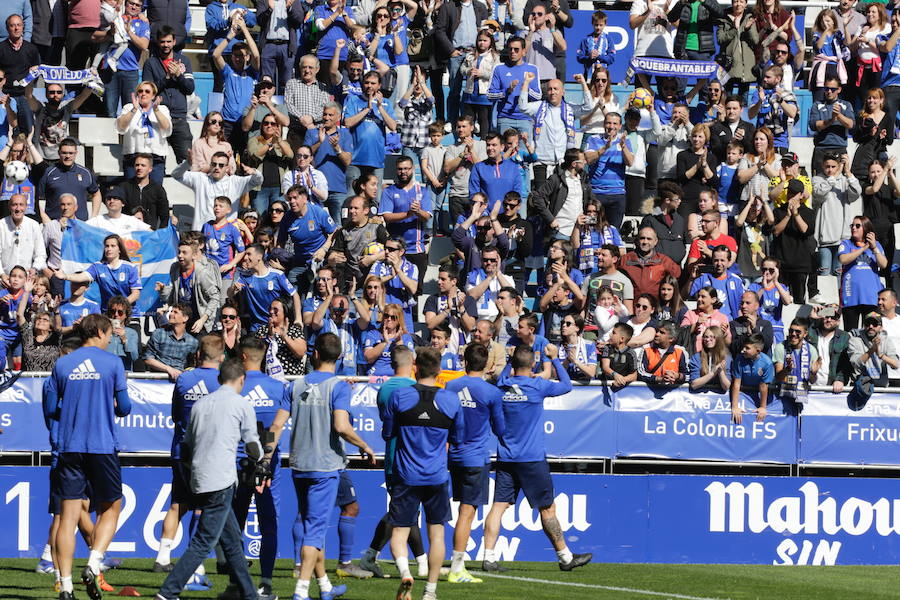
(522, 460)
(422, 418)
(470, 457)
(190, 386)
(272, 405)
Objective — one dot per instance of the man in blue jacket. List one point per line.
(522, 460)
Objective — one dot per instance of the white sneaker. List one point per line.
(817, 299)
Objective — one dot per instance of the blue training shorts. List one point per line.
(346, 491)
(405, 500)
(315, 503)
(81, 474)
(470, 484)
(532, 478)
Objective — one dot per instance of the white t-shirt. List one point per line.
(651, 39)
(123, 225)
(822, 347)
(572, 207)
(892, 329)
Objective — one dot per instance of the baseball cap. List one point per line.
(115, 192)
(873, 318)
(794, 187)
(789, 158)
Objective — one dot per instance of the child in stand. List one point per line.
(75, 308)
(591, 231)
(430, 161)
(729, 186)
(607, 313)
(596, 48)
(517, 149)
(224, 242)
(440, 338)
(617, 361)
(111, 16)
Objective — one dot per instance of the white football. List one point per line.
(17, 171)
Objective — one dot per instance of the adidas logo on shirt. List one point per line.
(258, 398)
(198, 391)
(84, 371)
(425, 416)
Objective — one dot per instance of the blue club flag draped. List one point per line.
(153, 252)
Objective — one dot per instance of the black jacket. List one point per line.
(720, 136)
(548, 200)
(41, 15)
(152, 199)
(168, 12)
(174, 91)
(708, 16)
(445, 24)
(671, 239)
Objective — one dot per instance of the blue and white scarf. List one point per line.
(795, 384)
(568, 118)
(63, 76)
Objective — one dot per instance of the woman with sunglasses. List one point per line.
(306, 175)
(599, 97)
(286, 354)
(773, 297)
(369, 310)
(270, 155)
(579, 355)
(643, 322)
(272, 218)
(145, 124)
(711, 365)
(19, 148)
(211, 140)
(124, 341)
(385, 43)
(378, 343)
(114, 274)
(862, 257)
(704, 316)
(231, 328)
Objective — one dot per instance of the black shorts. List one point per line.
(532, 478)
(405, 500)
(83, 475)
(346, 491)
(181, 483)
(470, 484)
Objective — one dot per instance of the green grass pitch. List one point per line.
(530, 581)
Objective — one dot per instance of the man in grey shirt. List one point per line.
(218, 422)
(872, 351)
(458, 163)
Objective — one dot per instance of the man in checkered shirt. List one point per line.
(305, 97)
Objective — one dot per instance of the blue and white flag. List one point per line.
(152, 252)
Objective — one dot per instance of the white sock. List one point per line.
(370, 554)
(201, 570)
(324, 584)
(422, 559)
(458, 563)
(302, 588)
(46, 555)
(431, 588)
(66, 584)
(402, 563)
(164, 556)
(490, 555)
(94, 561)
(56, 573)
(565, 555)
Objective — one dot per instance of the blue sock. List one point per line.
(346, 533)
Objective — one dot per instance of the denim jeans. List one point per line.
(264, 197)
(828, 260)
(454, 93)
(217, 524)
(614, 205)
(120, 87)
(440, 220)
(334, 203)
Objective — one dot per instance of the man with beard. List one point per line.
(796, 363)
(562, 197)
(749, 323)
(732, 128)
(487, 233)
(774, 106)
(332, 149)
(174, 78)
(458, 162)
(608, 156)
(453, 306)
(351, 240)
(406, 207)
(607, 275)
(51, 119)
(830, 123)
(728, 286)
(832, 343)
(645, 266)
(871, 350)
(368, 117)
(494, 176)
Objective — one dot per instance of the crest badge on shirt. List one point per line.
(79, 176)
(271, 285)
(311, 225)
(122, 277)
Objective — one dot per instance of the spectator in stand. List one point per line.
(618, 361)
(591, 231)
(696, 168)
(752, 372)
(310, 228)
(332, 148)
(793, 243)
(705, 315)
(115, 274)
(596, 50)
(511, 308)
(664, 364)
(258, 285)
(872, 352)
(51, 121)
(738, 38)
(150, 197)
(238, 79)
(21, 241)
(562, 198)
(400, 279)
(711, 365)
(562, 298)
(287, 347)
(830, 121)
(488, 233)
(417, 104)
(749, 323)
(754, 222)
(608, 158)
(694, 38)
(880, 194)
(775, 107)
(459, 160)
(887, 307)
(124, 341)
(653, 35)
(520, 234)
(773, 297)
(271, 155)
(865, 47)
(484, 334)
(83, 20)
(76, 307)
(453, 307)
(862, 257)
(305, 98)
(832, 344)
(52, 236)
(872, 133)
(125, 67)
(171, 349)
(456, 27)
(406, 209)
(598, 96)
(368, 117)
(40, 340)
(279, 22)
(731, 128)
(378, 343)
(671, 306)
(701, 251)
(217, 183)
(759, 166)
(646, 267)
(144, 125)
(305, 175)
(706, 200)
(494, 176)
(790, 170)
(333, 316)
(224, 19)
(607, 275)
(484, 284)
(224, 242)
(477, 71)
(349, 251)
(667, 222)
(836, 198)
(526, 333)
(796, 363)
(171, 72)
(211, 140)
(728, 286)
(890, 83)
(68, 177)
(771, 21)
(675, 138)
(190, 284)
(115, 221)
(505, 88)
(262, 104)
(17, 57)
(48, 30)
(580, 360)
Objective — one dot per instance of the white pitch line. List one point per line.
(599, 587)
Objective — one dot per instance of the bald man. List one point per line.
(645, 266)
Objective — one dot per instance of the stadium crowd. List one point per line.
(657, 238)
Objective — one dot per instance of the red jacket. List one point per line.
(647, 273)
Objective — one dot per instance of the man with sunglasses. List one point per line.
(871, 351)
(51, 120)
(796, 362)
(520, 233)
(505, 88)
(406, 208)
(303, 174)
(207, 186)
(174, 78)
(832, 344)
(452, 306)
(239, 77)
(400, 278)
(830, 122)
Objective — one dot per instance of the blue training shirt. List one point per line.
(384, 395)
(523, 411)
(82, 397)
(260, 290)
(190, 386)
(482, 404)
(267, 396)
(114, 282)
(69, 313)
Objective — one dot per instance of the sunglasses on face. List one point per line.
(855, 225)
(277, 210)
(271, 124)
(116, 311)
(219, 165)
(372, 287)
(304, 155)
(215, 121)
(489, 260)
(831, 89)
(768, 270)
(392, 248)
(390, 317)
(795, 332)
(228, 317)
(781, 52)
(511, 205)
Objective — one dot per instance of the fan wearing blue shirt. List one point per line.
(190, 386)
(470, 457)
(495, 177)
(87, 392)
(774, 106)
(224, 242)
(752, 373)
(422, 418)
(522, 461)
(608, 156)
(332, 149)
(76, 307)
(400, 278)
(320, 412)
(526, 334)
(256, 286)
(114, 274)
(406, 209)
(309, 227)
(238, 78)
(368, 117)
(505, 89)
